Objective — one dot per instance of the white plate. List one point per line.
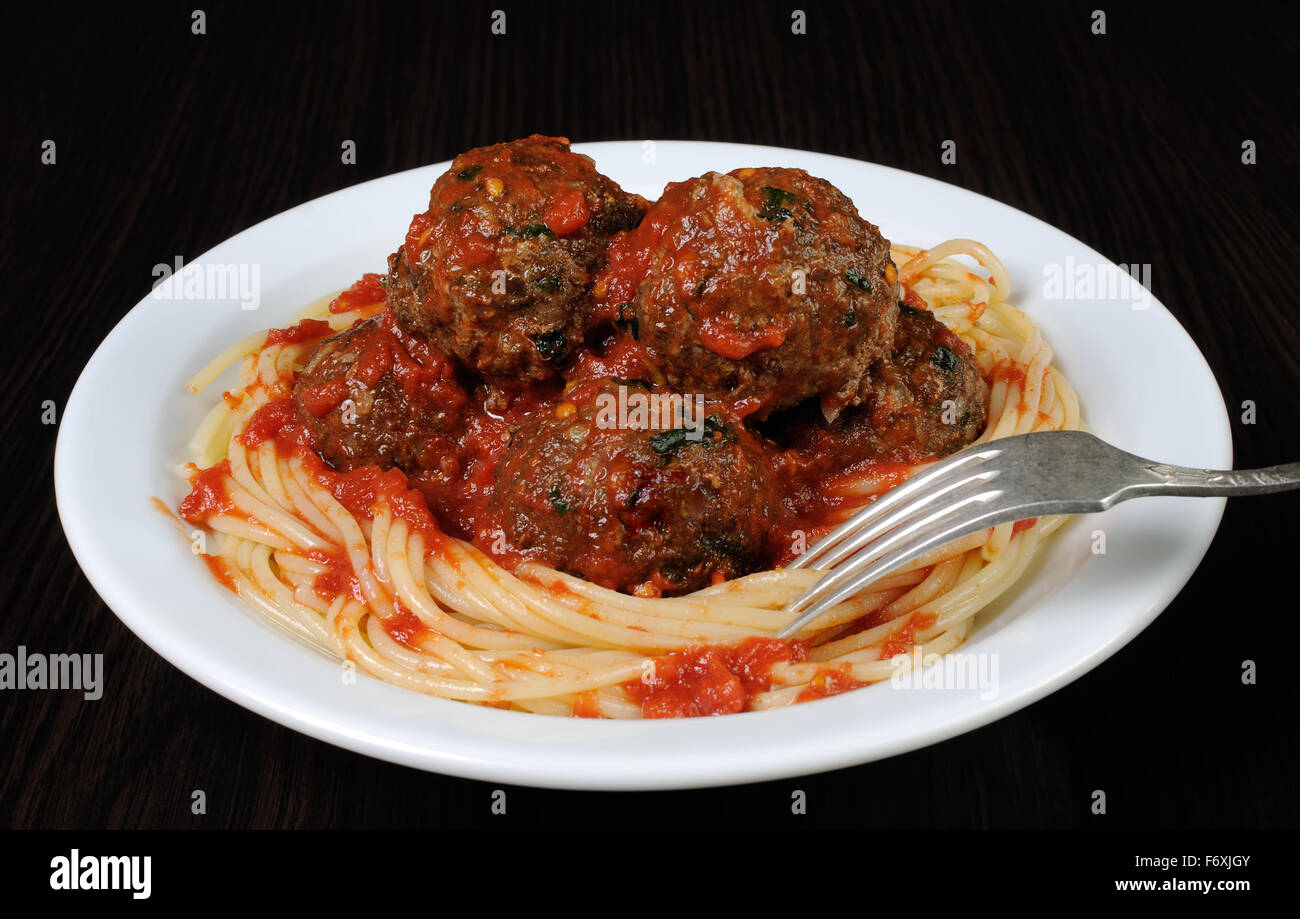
(1142, 383)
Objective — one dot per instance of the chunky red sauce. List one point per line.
(567, 214)
(619, 355)
(720, 335)
(306, 330)
(369, 291)
(208, 496)
(712, 680)
(276, 419)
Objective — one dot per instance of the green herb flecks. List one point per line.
(945, 359)
(725, 433)
(553, 346)
(774, 205)
(668, 442)
(858, 280)
(716, 432)
(529, 231)
(552, 285)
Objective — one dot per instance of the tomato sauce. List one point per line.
(913, 299)
(220, 570)
(713, 679)
(721, 336)
(276, 420)
(338, 576)
(405, 628)
(618, 355)
(1009, 373)
(586, 706)
(306, 330)
(323, 399)
(208, 496)
(567, 213)
(369, 291)
(828, 682)
(902, 639)
(417, 234)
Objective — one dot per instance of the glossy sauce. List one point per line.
(306, 330)
(713, 679)
(369, 291)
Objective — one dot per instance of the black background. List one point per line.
(168, 143)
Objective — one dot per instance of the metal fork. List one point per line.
(1005, 480)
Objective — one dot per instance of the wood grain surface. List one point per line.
(169, 142)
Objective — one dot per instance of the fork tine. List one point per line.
(899, 535)
(911, 541)
(943, 493)
(917, 489)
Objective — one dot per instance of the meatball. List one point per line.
(926, 399)
(498, 270)
(645, 508)
(763, 285)
(375, 395)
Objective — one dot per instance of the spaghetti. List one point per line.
(357, 566)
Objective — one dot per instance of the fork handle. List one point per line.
(1180, 480)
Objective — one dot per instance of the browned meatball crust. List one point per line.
(498, 270)
(925, 400)
(375, 395)
(763, 286)
(635, 508)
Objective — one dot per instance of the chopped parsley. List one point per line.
(774, 205)
(553, 346)
(715, 425)
(551, 285)
(530, 231)
(557, 500)
(666, 442)
(945, 359)
(716, 431)
(858, 280)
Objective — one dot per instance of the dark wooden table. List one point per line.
(169, 142)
